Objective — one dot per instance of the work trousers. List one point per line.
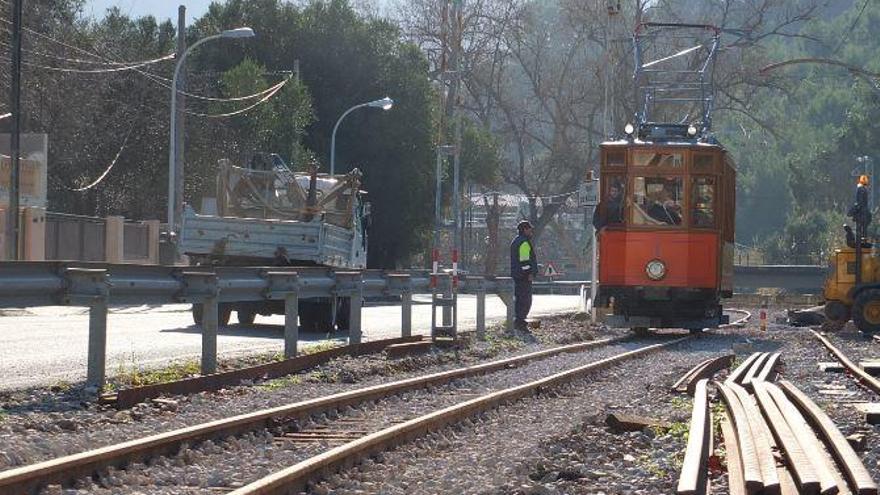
(522, 293)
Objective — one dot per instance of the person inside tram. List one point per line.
(610, 211)
(664, 209)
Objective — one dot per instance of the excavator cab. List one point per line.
(848, 296)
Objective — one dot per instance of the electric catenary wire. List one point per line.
(109, 167)
(135, 65)
(275, 89)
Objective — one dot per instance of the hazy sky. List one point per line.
(161, 9)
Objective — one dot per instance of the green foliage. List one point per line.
(281, 383)
(133, 375)
(346, 59)
(795, 172)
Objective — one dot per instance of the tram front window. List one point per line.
(657, 201)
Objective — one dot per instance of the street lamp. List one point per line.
(242, 32)
(385, 104)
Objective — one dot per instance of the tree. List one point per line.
(346, 59)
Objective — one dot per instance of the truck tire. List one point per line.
(315, 316)
(222, 318)
(343, 314)
(246, 316)
(866, 311)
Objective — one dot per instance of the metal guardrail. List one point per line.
(100, 285)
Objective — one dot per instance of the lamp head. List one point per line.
(242, 32)
(385, 103)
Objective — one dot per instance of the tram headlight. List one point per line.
(655, 269)
(692, 131)
(629, 129)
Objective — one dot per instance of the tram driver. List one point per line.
(664, 209)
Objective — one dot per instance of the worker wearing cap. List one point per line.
(523, 267)
(860, 211)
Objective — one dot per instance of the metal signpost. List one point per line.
(588, 198)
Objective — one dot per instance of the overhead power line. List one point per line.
(135, 65)
(109, 167)
(269, 94)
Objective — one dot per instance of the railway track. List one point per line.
(326, 433)
(777, 440)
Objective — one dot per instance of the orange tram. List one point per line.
(666, 242)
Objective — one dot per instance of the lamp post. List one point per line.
(243, 32)
(385, 104)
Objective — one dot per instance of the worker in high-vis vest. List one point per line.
(523, 268)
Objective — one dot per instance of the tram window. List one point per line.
(657, 200)
(703, 202)
(658, 159)
(615, 159)
(612, 200)
(703, 161)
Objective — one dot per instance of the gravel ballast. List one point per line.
(554, 443)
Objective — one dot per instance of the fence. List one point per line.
(75, 237)
(98, 286)
(111, 239)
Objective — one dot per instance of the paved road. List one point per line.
(43, 346)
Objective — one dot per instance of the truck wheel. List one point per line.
(837, 311)
(246, 316)
(197, 314)
(222, 317)
(866, 311)
(315, 317)
(343, 314)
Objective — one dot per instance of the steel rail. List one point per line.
(861, 376)
(739, 372)
(769, 369)
(830, 480)
(753, 478)
(126, 398)
(754, 370)
(735, 481)
(694, 475)
(296, 476)
(799, 465)
(853, 468)
(63, 469)
(706, 369)
(763, 439)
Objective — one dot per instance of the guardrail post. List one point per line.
(284, 285)
(479, 286)
(202, 287)
(505, 291)
(91, 288)
(401, 285)
(350, 284)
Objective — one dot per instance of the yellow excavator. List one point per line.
(852, 289)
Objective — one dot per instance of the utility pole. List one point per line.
(450, 76)
(179, 131)
(15, 138)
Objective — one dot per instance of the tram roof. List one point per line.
(664, 144)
